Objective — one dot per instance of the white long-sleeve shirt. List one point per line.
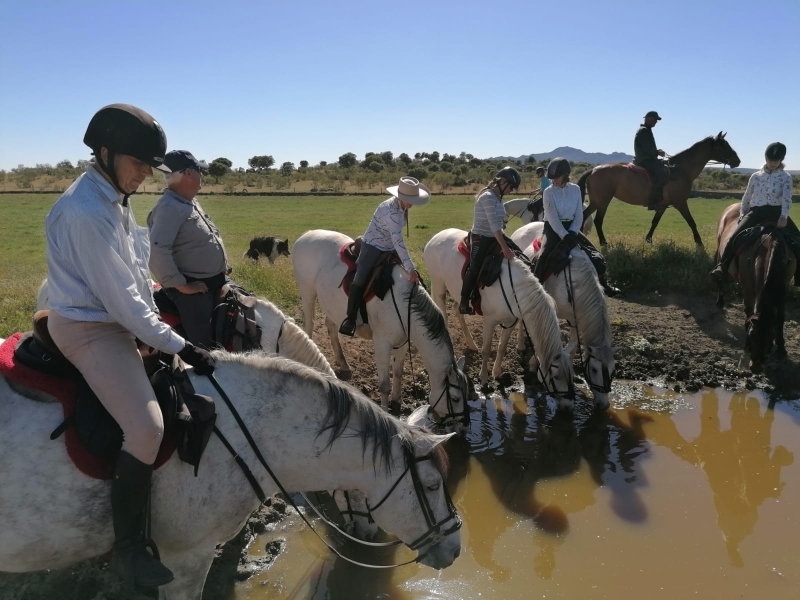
(385, 231)
(97, 263)
(563, 204)
(489, 215)
(768, 188)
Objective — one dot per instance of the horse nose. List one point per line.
(458, 552)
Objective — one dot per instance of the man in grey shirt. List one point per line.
(187, 255)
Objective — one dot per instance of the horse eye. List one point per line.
(435, 487)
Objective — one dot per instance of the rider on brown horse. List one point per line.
(647, 156)
(768, 198)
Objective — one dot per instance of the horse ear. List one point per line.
(461, 362)
(724, 134)
(425, 445)
(615, 349)
(719, 135)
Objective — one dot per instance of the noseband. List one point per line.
(452, 414)
(605, 387)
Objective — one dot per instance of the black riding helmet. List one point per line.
(540, 171)
(775, 151)
(126, 129)
(511, 175)
(558, 167)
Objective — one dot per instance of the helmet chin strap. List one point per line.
(108, 169)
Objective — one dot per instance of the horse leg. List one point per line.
(501, 352)
(656, 218)
(345, 372)
(720, 297)
(190, 568)
(383, 357)
(520, 337)
(486, 349)
(398, 361)
(598, 224)
(468, 340)
(687, 216)
(309, 306)
(780, 342)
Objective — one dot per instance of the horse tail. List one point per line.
(775, 280)
(583, 183)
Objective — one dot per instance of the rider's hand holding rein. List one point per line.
(782, 221)
(200, 359)
(414, 277)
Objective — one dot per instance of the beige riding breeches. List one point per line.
(107, 357)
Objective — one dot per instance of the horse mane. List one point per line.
(535, 301)
(423, 306)
(378, 428)
(691, 149)
(594, 318)
(294, 343)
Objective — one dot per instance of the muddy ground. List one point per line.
(680, 342)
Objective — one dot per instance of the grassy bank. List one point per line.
(672, 263)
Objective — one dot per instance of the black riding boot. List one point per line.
(467, 286)
(130, 492)
(609, 289)
(655, 197)
(348, 326)
(719, 271)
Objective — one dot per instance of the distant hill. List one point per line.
(575, 155)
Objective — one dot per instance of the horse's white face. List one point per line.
(450, 407)
(402, 512)
(356, 525)
(559, 377)
(600, 367)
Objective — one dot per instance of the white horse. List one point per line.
(314, 431)
(516, 295)
(521, 208)
(581, 302)
(319, 271)
(279, 334)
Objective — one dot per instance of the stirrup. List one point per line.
(348, 327)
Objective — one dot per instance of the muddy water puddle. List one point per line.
(701, 501)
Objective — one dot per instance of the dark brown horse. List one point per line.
(765, 268)
(617, 181)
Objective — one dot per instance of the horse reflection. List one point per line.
(534, 448)
(742, 468)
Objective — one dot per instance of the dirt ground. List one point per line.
(680, 342)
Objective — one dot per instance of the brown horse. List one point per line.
(765, 268)
(617, 181)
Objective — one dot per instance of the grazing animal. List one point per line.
(581, 302)
(405, 313)
(313, 430)
(765, 269)
(617, 181)
(268, 247)
(516, 295)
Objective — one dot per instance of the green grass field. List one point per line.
(671, 263)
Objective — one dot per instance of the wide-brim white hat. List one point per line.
(410, 190)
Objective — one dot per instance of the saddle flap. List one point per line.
(42, 334)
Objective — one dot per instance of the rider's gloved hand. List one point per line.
(200, 359)
(571, 237)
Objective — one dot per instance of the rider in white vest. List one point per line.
(101, 300)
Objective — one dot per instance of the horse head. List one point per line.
(415, 504)
(450, 410)
(600, 367)
(722, 152)
(558, 377)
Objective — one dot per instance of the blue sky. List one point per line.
(312, 80)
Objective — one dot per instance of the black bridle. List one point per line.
(452, 414)
(432, 536)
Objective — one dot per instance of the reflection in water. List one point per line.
(741, 467)
(558, 507)
(534, 447)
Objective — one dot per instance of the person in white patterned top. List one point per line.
(563, 219)
(768, 198)
(384, 234)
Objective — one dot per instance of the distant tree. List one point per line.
(404, 158)
(218, 169)
(468, 157)
(64, 164)
(83, 164)
(287, 168)
(387, 157)
(224, 161)
(444, 180)
(433, 167)
(446, 165)
(475, 162)
(347, 160)
(260, 163)
(375, 166)
(434, 156)
(418, 155)
(530, 160)
(303, 164)
(323, 163)
(418, 173)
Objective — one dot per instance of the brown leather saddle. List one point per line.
(377, 280)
